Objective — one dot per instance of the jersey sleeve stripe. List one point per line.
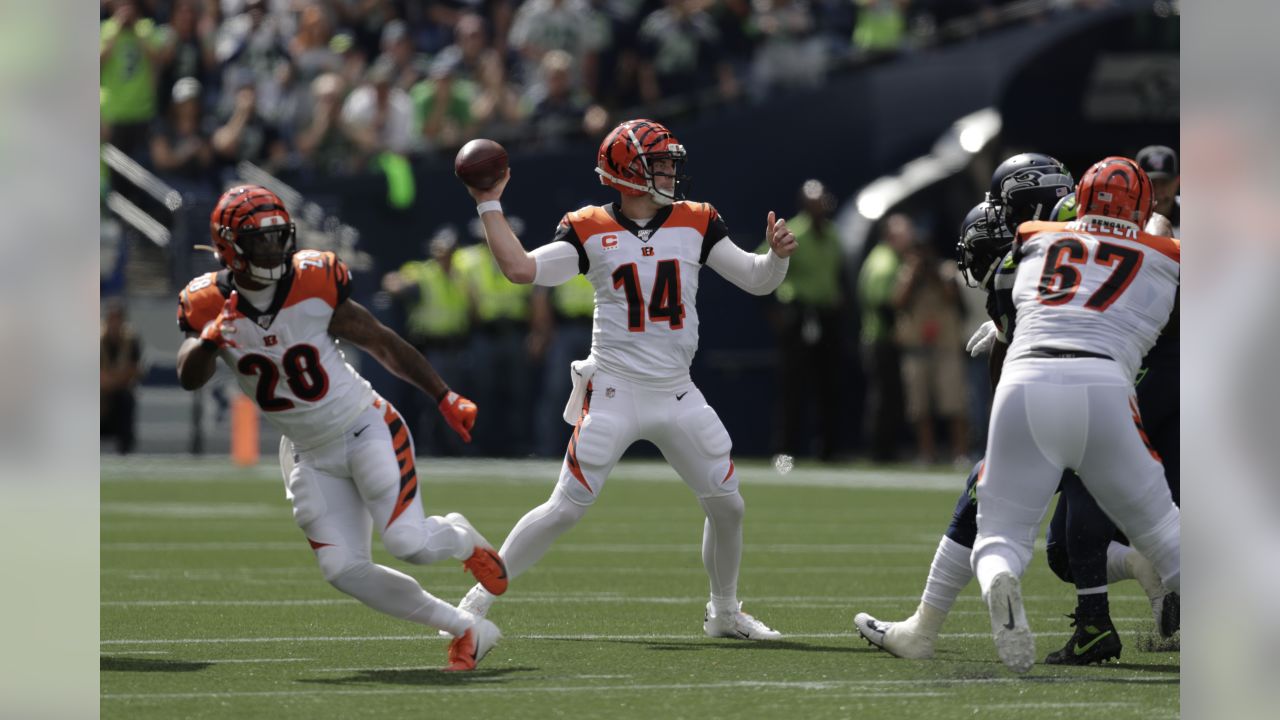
(1169, 247)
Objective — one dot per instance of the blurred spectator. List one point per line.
(569, 25)
(434, 294)
(876, 283)
(680, 49)
(810, 328)
(378, 117)
(496, 110)
(499, 358)
(188, 52)
(442, 106)
(247, 135)
(469, 49)
(560, 332)
(311, 49)
(408, 65)
(321, 143)
(120, 368)
(365, 18)
(354, 62)
(555, 111)
(881, 26)
(1161, 165)
(790, 53)
(130, 56)
(928, 331)
(250, 45)
(180, 147)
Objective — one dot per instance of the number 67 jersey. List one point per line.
(1091, 286)
(285, 358)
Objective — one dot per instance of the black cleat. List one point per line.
(1094, 641)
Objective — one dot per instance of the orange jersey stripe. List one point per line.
(200, 302)
(591, 221)
(692, 215)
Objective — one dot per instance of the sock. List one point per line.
(398, 595)
(928, 619)
(722, 549)
(532, 536)
(949, 574)
(1092, 603)
(1117, 568)
(991, 561)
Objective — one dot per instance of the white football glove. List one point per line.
(982, 340)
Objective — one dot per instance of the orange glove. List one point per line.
(217, 329)
(460, 413)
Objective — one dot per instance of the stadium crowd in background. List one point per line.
(327, 86)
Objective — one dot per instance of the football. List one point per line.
(480, 163)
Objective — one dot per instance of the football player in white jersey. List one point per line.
(642, 254)
(275, 316)
(1091, 296)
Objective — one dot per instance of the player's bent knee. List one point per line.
(403, 540)
(564, 511)
(725, 508)
(337, 564)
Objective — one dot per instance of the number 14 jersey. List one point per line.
(1094, 287)
(646, 285)
(285, 358)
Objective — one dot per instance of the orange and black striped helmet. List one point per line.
(252, 232)
(626, 157)
(1115, 188)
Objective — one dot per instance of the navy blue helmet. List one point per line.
(985, 237)
(1029, 185)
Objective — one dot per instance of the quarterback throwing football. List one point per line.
(642, 254)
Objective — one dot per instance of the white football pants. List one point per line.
(1079, 413)
(363, 479)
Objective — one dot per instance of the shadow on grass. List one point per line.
(424, 676)
(694, 645)
(109, 663)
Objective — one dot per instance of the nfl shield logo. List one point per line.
(264, 321)
(608, 392)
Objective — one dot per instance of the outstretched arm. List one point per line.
(355, 324)
(757, 274)
(516, 263)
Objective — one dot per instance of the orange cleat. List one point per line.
(472, 646)
(485, 563)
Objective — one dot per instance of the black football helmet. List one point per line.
(985, 237)
(1029, 185)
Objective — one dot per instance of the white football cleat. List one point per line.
(1165, 605)
(900, 639)
(466, 651)
(1014, 641)
(477, 601)
(737, 625)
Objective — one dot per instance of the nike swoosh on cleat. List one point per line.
(1009, 624)
(681, 396)
(1085, 647)
(357, 433)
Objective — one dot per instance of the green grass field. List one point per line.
(212, 606)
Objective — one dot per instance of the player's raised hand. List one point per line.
(493, 193)
(220, 329)
(779, 236)
(460, 413)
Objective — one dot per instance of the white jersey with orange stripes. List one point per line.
(1092, 286)
(285, 358)
(646, 285)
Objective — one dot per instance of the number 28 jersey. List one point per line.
(285, 358)
(1094, 287)
(646, 285)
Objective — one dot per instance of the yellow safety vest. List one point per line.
(442, 307)
(575, 299)
(496, 297)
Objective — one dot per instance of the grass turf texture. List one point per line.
(212, 606)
